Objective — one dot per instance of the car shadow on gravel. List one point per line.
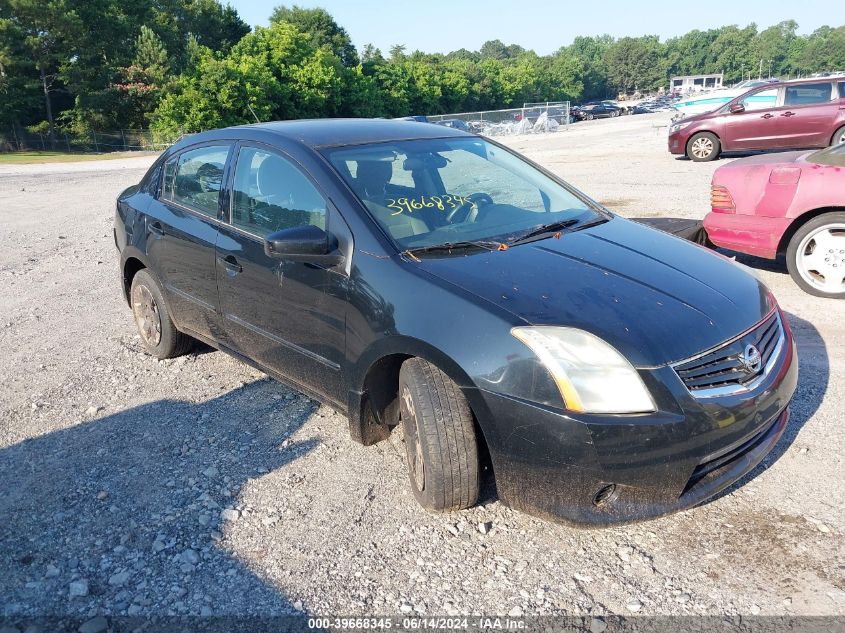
(813, 379)
(131, 511)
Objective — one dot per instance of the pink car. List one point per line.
(789, 204)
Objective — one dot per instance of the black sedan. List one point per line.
(419, 276)
(596, 111)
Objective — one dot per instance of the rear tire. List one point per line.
(159, 335)
(440, 438)
(703, 147)
(838, 137)
(815, 256)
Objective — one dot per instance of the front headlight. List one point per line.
(591, 375)
(677, 127)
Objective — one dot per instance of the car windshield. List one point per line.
(831, 156)
(436, 192)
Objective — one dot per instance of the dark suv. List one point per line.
(789, 115)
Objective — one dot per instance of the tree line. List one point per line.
(179, 66)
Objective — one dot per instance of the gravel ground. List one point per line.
(199, 486)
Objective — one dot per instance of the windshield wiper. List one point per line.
(544, 230)
(454, 246)
(552, 228)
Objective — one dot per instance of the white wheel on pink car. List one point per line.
(816, 256)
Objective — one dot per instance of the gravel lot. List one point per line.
(199, 486)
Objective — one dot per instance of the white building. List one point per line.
(695, 83)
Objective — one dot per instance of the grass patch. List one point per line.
(30, 157)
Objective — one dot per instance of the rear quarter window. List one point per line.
(808, 94)
(193, 179)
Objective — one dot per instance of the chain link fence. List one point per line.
(531, 118)
(97, 142)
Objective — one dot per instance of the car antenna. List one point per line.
(257, 120)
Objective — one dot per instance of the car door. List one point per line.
(288, 316)
(182, 230)
(754, 127)
(808, 115)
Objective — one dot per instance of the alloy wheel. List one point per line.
(147, 316)
(821, 258)
(702, 147)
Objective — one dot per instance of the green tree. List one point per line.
(323, 29)
(144, 79)
(633, 63)
(44, 31)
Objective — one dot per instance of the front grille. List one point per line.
(724, 370)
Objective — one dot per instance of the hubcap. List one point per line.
(147, 316)
(702, 147)
(412, 440)
(821, 258)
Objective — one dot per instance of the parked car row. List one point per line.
(788, 204)
(663, 103)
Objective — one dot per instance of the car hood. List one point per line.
(654, 297)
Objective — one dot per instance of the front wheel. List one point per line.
(815, 256)
(703, 146)
(440, 438)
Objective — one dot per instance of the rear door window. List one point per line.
(808, 94)
(193, 179)
(842, 89)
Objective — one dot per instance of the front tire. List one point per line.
(703, 147)
(440, 438)
(159, 335)
(815, 256)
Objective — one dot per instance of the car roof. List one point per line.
(320, 133)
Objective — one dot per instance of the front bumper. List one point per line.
(678, 142)
(553, 464)
(752, 234)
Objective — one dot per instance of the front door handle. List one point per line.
(230, 263)
(788, 114)
(768, 116)
(157, 228)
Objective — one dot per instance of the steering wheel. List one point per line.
(469, 208)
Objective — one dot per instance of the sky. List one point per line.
(441, 26)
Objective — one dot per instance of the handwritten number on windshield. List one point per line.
(445, 202)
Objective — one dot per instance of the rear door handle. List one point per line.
(768, 116)
(788, 114)
(156, 228)
(230, 263)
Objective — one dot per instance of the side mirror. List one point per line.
(737, 108)
(309, 244)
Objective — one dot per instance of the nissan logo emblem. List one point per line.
(751, 359)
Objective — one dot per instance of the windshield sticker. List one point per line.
(445, 202)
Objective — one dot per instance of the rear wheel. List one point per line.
(838, 136)
(703, 146)
(815, 256)
(158, 332)
(589, 117)
(440, 438)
